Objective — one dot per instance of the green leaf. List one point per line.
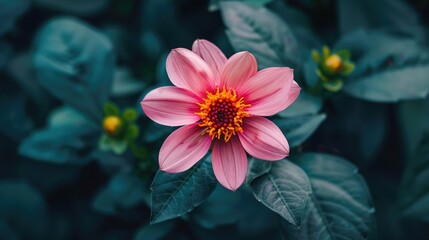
(413, 123)
(68, 135)
(18, 201)
(340, 206)
(154, 232)
(305, 104)
(154, 131)
(347, 68)
(214, 4)
(367, 14)
(222, 202)
(414, 190)
(130, 115)
(76, 7)
(316, 56)
(284, 189)
(75, 63)
(124, 191)
(380, 49)
(58, 145)
(262, 33)
(10, 11)
(107, 143)
(66, 116)
(298, 129)
(124, 84)
(333, 85)
(256, 168)
(344, 54)
(110, 109)
(132, 132)
(391, 85)
(176, 194)
(311, 73)
(15, 122)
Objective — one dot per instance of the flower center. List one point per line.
(333, 62)
(222, 113)
(112, 125)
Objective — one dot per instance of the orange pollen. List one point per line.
(222, 113)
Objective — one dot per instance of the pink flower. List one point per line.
(222, 103)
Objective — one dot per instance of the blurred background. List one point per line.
(67, 66)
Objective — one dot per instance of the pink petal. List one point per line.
(262, 139)
(268, 91)
(188, 70)
(238, 69)
(171, 106)
(183, 148)
(211, 54)
(229, 163)
(293, 93)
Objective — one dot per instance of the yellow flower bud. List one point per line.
(112, 125)
(333, 63)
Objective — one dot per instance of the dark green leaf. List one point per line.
(21, 70)
(310, 71)
(262, 33)
(154, 232)
(79, 7)
(340, 206)
(108, 143)
(298, 129)
(64, 140)
(110, 109)
(5, 54)
(66, 116)
(380, 49)
(414, 190)
(124, 191)
(221, 203)
(10, 11)
(155, 131)
(174, 195)
(75, 64)
(285, 189)
(305, 104)
(6, 231)
(391, 85)
(14, 122)
(132, 132)
(57, 145)
(256, 168)
(367, 14)
(18, 201)
(413, 122)
(130, 115)
(124, 84)
(214, 4)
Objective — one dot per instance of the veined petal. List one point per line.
(188, 70)
(293, 93)
(262, 139)
(183, 148)
(211, 54)
(171, 106)
(238, 69)
(268, 91)
(229, 163)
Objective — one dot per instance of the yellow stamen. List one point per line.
(333, 62)
(112, 125)
(222, 113)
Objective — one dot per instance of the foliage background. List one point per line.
(60, 61)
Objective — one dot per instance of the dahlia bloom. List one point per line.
(221, 103)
